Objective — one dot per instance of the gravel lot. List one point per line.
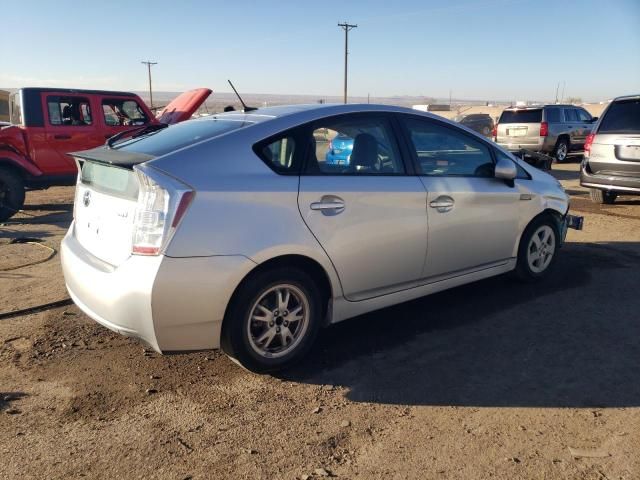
(491, 380)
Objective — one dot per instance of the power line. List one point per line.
(346, 27)
(149, 64)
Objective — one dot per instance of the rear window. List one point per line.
(180, 135)
(109, 179)
(621, 117)
(521, 116)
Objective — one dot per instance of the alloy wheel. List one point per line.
(541, 249)
(278, 321)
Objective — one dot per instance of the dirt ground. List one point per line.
(491, 380)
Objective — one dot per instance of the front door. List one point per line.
(473, 217)
(366, 213)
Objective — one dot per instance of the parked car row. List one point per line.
(242, 231)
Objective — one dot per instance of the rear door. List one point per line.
(69, 127)
(368, 215)
(616, 145)
(473, 217)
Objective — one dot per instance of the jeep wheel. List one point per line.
(562, 150)
(602, 197)
(11, 193)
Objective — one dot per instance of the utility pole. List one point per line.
(564, 84)
(149, 64)
(557, 88)
(346, 27)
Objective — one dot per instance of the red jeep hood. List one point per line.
(185, 105)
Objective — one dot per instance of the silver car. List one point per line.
(555, 130)
(611, 164)
(232, 231)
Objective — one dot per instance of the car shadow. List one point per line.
(570, 341)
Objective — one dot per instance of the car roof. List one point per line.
(538, 107)
(78, 90)
(626, 97)
(312, 110)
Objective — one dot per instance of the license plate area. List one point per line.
(628, 152)
(517, 131)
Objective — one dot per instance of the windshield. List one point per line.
(179, 136)
(521, 116)
(622, 117)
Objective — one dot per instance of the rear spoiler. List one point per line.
(117, 158)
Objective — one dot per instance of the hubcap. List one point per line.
(278, 321)
(541, 249)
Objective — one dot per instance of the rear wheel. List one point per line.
(11, 193)
(600, 196)
(272, 320)
(537, 250)
(562, 150)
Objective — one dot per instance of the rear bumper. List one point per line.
(171, 304)
(541, 144)
(614, 183)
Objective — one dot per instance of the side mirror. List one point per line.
(506, 170)
(594, 119)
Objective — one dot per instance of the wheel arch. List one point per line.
(304, 263)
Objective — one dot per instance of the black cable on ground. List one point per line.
(36, 309)
(32, 241)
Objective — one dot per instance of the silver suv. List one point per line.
(552, 129)
(611, 162)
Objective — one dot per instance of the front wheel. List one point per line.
(11, 194)
(537, 250)
(272, 320)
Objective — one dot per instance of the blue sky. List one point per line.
(483, 49)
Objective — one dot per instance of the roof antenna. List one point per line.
(244, 107)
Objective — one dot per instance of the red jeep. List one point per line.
(48, 123)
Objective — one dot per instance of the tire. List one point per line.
(536, 258)
(11, 193)
(256, 330)
(602, 197)
(562, 150)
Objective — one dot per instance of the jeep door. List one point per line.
(368, 215)
(69, 127)
(473, 217)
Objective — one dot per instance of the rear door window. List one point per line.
(521, 116)
(622, 117)
(553, 115)
(66, 110)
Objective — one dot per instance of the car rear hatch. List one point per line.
(105, 203)
(616, 145)
(519, 126)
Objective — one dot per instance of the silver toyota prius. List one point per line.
(233, 230)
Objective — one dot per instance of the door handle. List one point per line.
(442, 204)
(62, 137)
(329, 205)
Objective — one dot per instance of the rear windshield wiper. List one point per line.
(135, 132)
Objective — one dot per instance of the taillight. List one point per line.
(162, 202)
(587, 144)
(494, 132)
(544, 129)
